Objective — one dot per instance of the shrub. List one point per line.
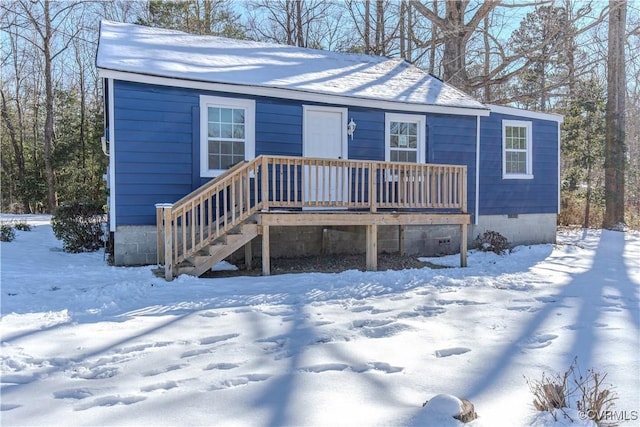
(492, 241)
(593, 399)
(7, 233)
(79, 226)
(22, 226)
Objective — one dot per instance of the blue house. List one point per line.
(216, 142)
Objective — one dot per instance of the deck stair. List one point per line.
(227, 213)
(202, 261)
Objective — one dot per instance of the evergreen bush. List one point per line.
(79, 226)
(7, 233)
(22, 226)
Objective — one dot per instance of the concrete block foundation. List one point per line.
(136, 245)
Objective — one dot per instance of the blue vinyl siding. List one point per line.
(157, 143)
(368, 140)
(153, 143)
(157, 146)
(451, 140)
(500, 196)
(278, 127)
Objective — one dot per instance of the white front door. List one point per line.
(325, 137)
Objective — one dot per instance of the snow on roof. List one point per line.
(159, 52)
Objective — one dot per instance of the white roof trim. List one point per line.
(290, 94)
(500, 109)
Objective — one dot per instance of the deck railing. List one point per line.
(276, 182)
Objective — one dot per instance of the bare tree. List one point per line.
(293, 22)
(456, 31)
(47, 22)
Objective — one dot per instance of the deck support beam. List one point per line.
(266, 256)
(372, 247)
(248, 255)
(463, 245)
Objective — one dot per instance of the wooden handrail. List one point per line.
(193, 222)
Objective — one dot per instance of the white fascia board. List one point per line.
(477, 206)
(112, 157)
(559, 173)
(500, 109)
(298, 95)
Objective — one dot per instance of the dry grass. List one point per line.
(588, 391)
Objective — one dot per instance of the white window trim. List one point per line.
(250, 124)
(529, 151)
(397, 117)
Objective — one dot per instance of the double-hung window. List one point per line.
(227, 133)
(517, 159)
(405, 137)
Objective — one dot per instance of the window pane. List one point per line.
(412, 156)
(214, 147)
(226, 115)
(403, 141)
(402, 129)
(226, 130)
(413, 141)
(393, 141)
(226, 147)
(238, 116)
(214, 114)
(412, 128)
(393, 155)
(238, 131)
(214, 161)
(238, 149)
(516, 162)
(214, 130)
(393, 128)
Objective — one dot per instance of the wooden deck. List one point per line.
(225, 214)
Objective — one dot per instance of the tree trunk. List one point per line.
(487, 59)
(48, 123)
(380, 36)
(453, 58)
(615, 133)
(290, 25)
(367, 27)
(433, 45)
(410, 37)
(299, 32)
(587, 208)
(402, 30)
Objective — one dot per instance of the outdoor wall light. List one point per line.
(351, 128)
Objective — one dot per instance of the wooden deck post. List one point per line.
(165, 254)
(373, 173)
(159, 234)
(372, 247)
(266, 261)
(463, 245)
(264, 181)
(248, 255)
(464, 227)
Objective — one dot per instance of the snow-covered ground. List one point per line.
(84, 343)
